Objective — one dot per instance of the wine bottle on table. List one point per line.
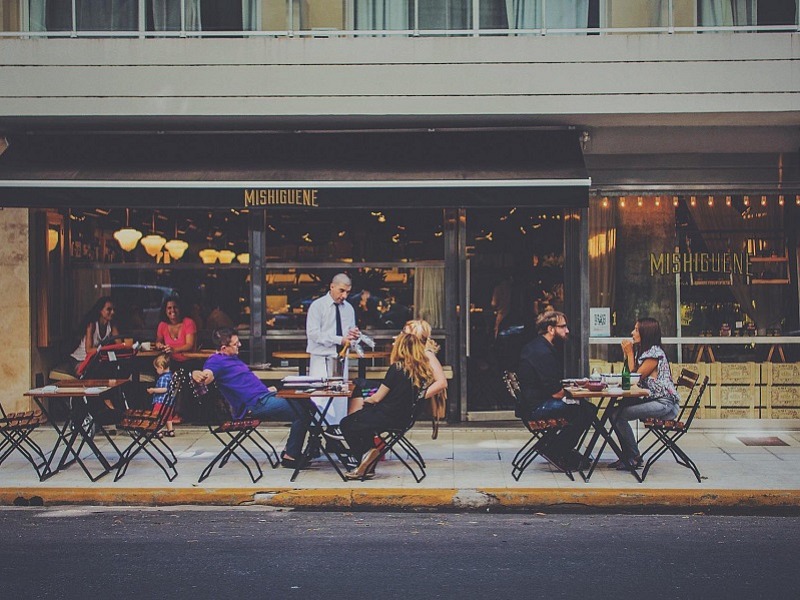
(626, 376)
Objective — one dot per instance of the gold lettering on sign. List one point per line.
(671, 263)
(278, 197)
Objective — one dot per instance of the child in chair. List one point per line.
(159, 392)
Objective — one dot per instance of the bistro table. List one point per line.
(302, 359)
(75, 430)
(318, 421)
(602, 428)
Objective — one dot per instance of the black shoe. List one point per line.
(557, 460)
(292, 463)
(313, 451)
(577, 461)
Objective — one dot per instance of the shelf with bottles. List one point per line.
(769, 256)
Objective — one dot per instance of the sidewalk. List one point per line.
(468, 469)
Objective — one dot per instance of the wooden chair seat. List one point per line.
(670, 424)
(238, 425)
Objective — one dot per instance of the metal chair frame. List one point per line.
(541, 431)
(145, 427)
(669, 431)
(16, 429)
(688, 379)
(233, 434)
(390, 438)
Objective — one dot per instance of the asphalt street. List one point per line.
(186, 552)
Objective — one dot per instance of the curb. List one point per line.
(402, 499)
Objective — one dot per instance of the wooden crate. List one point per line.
(780, 373)
(735, 412)
(783, 413)
(747, 373)
(782, 396)
(699, 368)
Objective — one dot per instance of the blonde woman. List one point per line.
(437, 393)
(390, 407)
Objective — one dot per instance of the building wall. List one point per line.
(15, 367)
(677, 80)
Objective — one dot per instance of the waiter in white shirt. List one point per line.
(331, 320)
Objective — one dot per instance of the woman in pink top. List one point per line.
(175, 334)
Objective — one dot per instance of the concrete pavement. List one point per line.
(746, 465)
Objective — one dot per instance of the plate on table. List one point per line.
(575, 382)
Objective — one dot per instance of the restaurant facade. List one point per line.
(471, 180)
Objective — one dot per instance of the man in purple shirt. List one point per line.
(247, 394)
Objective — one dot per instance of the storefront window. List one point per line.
(395, 259)
(704, 266)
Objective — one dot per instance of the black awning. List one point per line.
(335, 169)
(647, 174)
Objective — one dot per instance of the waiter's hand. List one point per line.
(353, 333)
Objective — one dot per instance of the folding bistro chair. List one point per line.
(145, 426)
(686, 379)
(540, 430)
(669, 431)
(16, 429)
(390, 439)
(233, 434)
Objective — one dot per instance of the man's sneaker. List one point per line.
(334, 433)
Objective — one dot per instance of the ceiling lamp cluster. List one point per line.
(154, 244)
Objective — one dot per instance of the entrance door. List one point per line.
(514, 271)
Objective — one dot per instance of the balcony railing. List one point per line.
(399, 18)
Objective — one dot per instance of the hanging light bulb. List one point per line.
(781, 200)
(622, 202)
(693, 200)
(658, 201)
(675, 201)
(209, 256)
(746, 200)
(176, 248)
(763, 200)
(711, 200)
(153, 243)
(639, 202)
(727, 200)
(226, 256)
(127, 237)
(605, 201)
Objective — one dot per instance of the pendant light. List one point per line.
(153, 243)
(127, 237)
(243, 258)
(209, 256)
(226, 256)
(176, 247)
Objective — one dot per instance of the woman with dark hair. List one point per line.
(95, 329)
(645, 356)
(175, 334)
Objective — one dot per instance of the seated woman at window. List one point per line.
(95, 329)
(645, 356)
(176, 334)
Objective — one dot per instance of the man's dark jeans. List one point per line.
(580, 417)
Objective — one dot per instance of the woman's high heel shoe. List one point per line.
(366, 469)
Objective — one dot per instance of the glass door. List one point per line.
(514, 271)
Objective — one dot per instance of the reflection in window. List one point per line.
(726, 13)
(533, 14)
(9, 15)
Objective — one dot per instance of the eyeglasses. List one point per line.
(564, 326)
(235, 344)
